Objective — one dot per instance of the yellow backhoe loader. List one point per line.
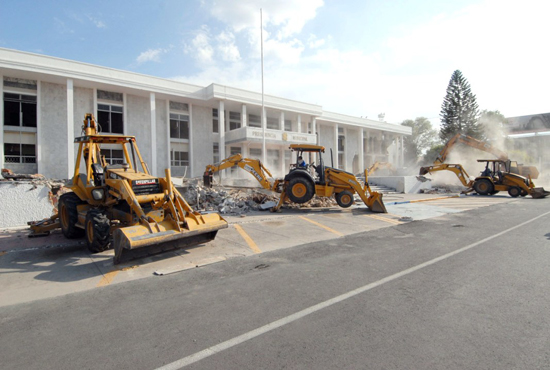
(143, 214)
(303, 182)
(459, 138)
(496, 177)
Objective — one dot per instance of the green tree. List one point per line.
(423, 137)
(459, 111)
(431, 155)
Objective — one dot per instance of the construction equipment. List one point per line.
(522, 170)
(496, 177)
(302, 183)
(143, 214)
(381, 166)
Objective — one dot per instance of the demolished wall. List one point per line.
(23, 202)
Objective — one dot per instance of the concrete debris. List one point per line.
(238, 200)
(442, 189)
(9, 175)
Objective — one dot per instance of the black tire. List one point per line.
(97, 229)
(514, 191)
(344, 199)
(68, 215)
(484, 187)
(300, 190)
(494, 192)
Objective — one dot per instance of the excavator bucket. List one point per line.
(140, 241)
(375, 203)
(539, 193)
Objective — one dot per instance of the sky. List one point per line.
(357, 57)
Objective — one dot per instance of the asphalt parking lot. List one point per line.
(37, 268)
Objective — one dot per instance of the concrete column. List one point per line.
(402, 153)
(221, 128)
(282, 159)
(124, 114)
(244, 117)
(153, 107)
(245, 150)
(335, 150)
(314, 130)
(167, 123)
(191, 146)
(2, 121)
(264, 127)
(299, 128)
(361, 152)
(282, 121)
(70, 128)
(94, 109)
(39, 128)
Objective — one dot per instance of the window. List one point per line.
(179, 159)
(254, 120)
(19, 153)
(273, 157)
(341, 141)
(272, 123)
(110, 118)
(288, 125)
(255, 153)
(179, 126)
(113, 156)
(216, 152)
(19, 110)
(234, 120)
(341, 149)
(215, 121)
(341, 161)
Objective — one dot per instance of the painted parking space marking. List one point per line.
(322, 226)
(385, 219)
(251, 244)
(107, 278)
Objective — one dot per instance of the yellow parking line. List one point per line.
(323, 226)
(391, 221)
(248, 239)
(2, 253)
(107, 278)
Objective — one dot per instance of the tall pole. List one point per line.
(263, 108)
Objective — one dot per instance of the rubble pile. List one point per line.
(442, 189)
(239, 200)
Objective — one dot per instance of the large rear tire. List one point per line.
(484, 187)
(300, 190)
(344, 199)
(98, 227)
(68, 215)
(514, 191)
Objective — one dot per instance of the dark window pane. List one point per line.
(184, 156)
(174, 129)
(215, 126)
(11, 113)
(11, 96)
(116, 123)
(103, 107)
(114, 108)
(184, 129)
(12, 149)
(28, 98)
(117, 153)
(29, 114)
(103, 120)
(28, 149)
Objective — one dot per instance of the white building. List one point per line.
(177, 125)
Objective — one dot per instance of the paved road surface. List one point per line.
(462, 291)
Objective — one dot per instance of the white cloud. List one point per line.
(150, 55)
(498, 45)
(226, 47)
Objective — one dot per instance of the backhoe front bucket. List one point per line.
(375, 203)
(539, 193)
(138, 241)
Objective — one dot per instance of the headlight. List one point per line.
(98, 194)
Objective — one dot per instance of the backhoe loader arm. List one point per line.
(252, 166)
(471, 142)
(457, 169)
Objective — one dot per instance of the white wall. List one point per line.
(53, 106)
(23, 202)
(138, 124)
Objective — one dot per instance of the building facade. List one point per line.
(531, 135)
(177, 125)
